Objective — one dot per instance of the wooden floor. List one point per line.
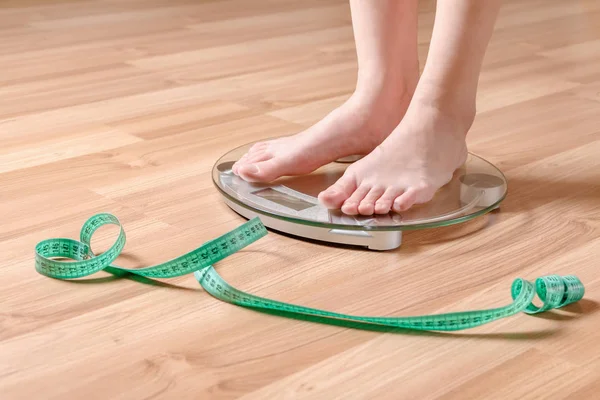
(123, 106)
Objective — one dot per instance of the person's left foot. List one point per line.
(413, 162)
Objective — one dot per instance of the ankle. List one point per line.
(384, 94)
(393, 82)
(457, 105)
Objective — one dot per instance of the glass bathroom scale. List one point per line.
(290, 205)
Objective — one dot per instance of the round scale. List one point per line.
(290, 204)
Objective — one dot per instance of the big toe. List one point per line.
(404, 201)
(334, 196)
(236, 165)
(412, 196)
(263, 171)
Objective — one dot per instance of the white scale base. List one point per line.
(380, 241)
(386, 240)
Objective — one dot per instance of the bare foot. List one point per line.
(418, 157)
(354, 128)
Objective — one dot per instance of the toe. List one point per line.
(263, 171)
(350, 206)
(414, 195)
(334, 196)
(405, 200)
(367, 205)
(236, 166)
(425, 193)
(254, 154)
(384, 204)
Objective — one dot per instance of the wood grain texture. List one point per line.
(123, 106)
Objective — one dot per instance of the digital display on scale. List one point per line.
(283, 199)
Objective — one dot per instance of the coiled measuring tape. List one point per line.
(553, 290)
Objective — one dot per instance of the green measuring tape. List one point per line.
(554, 291)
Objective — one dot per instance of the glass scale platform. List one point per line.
(290, 205)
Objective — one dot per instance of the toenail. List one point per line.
(253, 169)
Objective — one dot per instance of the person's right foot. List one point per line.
(355, 128)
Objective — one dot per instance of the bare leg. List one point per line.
(428, 145)
(388, 70)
